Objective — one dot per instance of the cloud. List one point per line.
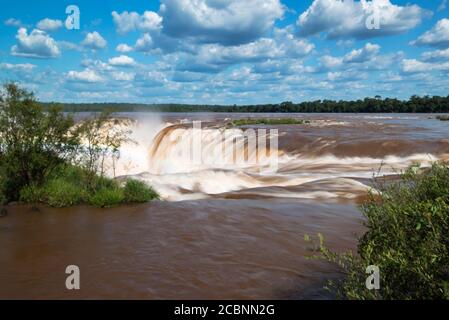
(37, 44)
(94, 41)
(346, 76)
(290, 45)
(442, 5)
(130, 21)
(12, 22)
(187, 76)
(362, 55)
(123, 76)
(329, 62)
(67, 45)
(17, 67)
(96, 65)
(437, 37)
(416, 66)
(124, 48)
(149, 79)
(215, 58)
(366, 58)
(22, 72)
(122, 61)
(255, 51)
(145, 43)
(49, 24)
(226, 22)
(436, 56)
(348, 19)
(86, 76)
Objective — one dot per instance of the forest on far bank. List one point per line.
(415, 104)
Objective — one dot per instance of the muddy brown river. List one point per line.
(219, 232)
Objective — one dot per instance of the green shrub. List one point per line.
(407, 238)
(62, 193)
(33, 141)
(32, 194)
(70, 173)
(138, 192)
(69, 185)
(3, 199)
(100, 183)
(106, 198)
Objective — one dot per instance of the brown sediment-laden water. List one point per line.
(224, 230)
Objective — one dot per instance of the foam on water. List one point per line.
(158, 157)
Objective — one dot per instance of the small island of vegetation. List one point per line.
(45, 157)
(443, 118)
(267, 122)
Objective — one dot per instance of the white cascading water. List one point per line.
(160, 159)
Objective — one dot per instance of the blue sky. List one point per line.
(226, 51)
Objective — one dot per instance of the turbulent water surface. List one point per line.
(226, 229)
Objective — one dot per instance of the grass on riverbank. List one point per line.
(443, 118)
(407, 238)
(70, 185)
(282, 121)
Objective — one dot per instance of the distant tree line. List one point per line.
(415, 104)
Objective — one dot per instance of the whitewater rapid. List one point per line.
(158, 158)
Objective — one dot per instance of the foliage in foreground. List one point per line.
(407, 238)
(32, 142)
(46, 158)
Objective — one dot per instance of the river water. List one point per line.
(223, 230)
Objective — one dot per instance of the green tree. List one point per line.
(32, 141)
(101, 137)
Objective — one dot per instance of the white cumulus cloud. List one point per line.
(17, 67)
(348, 19)
(145, 43)
(227, 22)
(94, 41)
(122, 61)
(12, 22)
(87, 75)
(123, 76)
(362, 55)
(438, 36)
(124, 48)
(37, 44)
(436, 56)
(49, 24)
(130, 21)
